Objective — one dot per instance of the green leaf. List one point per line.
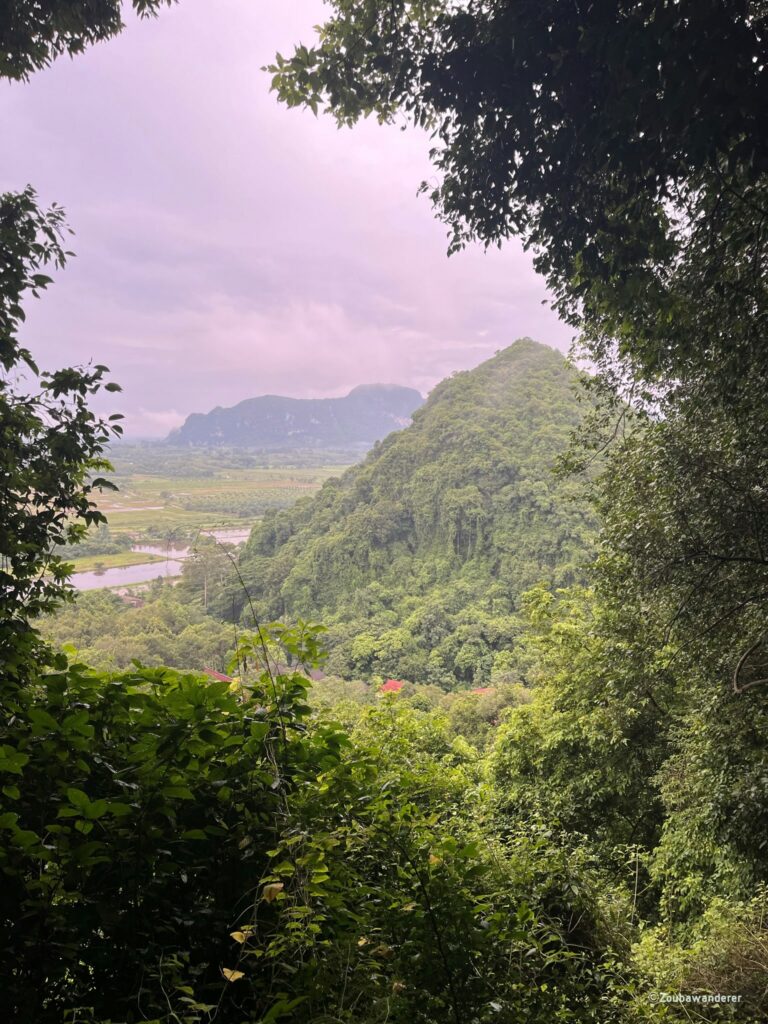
(178, 792)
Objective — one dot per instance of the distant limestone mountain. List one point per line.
(366, 415)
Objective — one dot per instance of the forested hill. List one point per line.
(416, 558)
(367, 414)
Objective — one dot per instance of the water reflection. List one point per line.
(173, 555)
(126, 574)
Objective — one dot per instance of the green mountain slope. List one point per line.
(417, 557)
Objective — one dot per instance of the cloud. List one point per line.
(228, 246)
(149, 423)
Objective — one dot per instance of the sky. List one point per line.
(227, 247)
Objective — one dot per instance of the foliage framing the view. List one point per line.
(33, 34)
(51, 441)
(613, 840)
(625, 143)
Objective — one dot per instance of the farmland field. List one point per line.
(172, 494)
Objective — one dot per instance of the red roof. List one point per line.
(392, 686)
(483, 689)
(217, 675)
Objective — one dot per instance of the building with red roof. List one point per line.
(213, 674)
(392, 686)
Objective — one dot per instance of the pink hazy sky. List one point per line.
(228, 247)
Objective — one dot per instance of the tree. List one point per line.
(685, 513)
(207, 570)
(33, 34)
(135, 824)
(51, 441)
(584, 753)
(625, 143)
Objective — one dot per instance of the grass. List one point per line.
(166, 520)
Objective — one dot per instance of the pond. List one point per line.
(127, 574)
(171, 566)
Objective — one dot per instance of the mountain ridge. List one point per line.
(273, 422)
